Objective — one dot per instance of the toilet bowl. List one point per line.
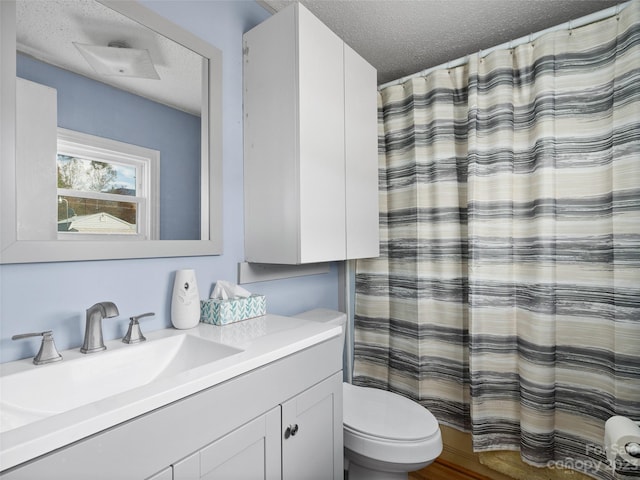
(386, 435)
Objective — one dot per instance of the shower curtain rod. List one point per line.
(580, 22)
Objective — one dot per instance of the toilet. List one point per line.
(386, 435)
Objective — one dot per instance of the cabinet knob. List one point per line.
(291, 431)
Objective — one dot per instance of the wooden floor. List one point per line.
(443, 470)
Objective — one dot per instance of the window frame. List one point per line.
(105, 150)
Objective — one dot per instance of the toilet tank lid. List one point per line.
(387, 415)
(323, 315)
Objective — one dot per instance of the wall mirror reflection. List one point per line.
(115, 109)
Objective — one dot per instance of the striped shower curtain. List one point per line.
(507, 295)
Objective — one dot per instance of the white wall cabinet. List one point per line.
(232, 430)
(310, 144)
(36, 148)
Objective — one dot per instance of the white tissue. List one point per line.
(618, 431)
(225, 290)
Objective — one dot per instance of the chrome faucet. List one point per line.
(134, 334)
(48, 352)
(93, 341)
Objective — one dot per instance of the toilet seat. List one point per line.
(388, 427)
(386, 415)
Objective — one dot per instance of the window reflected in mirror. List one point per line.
(160, 112)
(105, 188)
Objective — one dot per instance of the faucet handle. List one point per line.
(134, 334)
(48, 352)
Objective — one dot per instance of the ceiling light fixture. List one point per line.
(119, 59)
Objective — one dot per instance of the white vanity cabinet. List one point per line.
(232, 430)
(309, 433)
(310, 144)
(166, 474)
(250, 452)
(293, 441)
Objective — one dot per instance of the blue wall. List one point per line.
(37, 297)
(87, 106)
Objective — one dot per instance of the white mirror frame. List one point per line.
(13, 250)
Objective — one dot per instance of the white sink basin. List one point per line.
(47, 390)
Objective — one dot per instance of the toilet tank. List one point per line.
(325, 315)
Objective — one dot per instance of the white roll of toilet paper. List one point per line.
(621, 435)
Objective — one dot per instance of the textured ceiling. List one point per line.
(46, 30)
(402, 37)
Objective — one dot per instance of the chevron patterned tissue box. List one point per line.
(222, 312)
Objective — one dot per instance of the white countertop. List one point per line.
(262, 341)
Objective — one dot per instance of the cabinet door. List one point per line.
(166, 474)
(270, 140)
(251, 452)
(361, 149)
(312, 433)
(294, 140)
(321, 142)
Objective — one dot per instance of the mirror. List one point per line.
(42, 221)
